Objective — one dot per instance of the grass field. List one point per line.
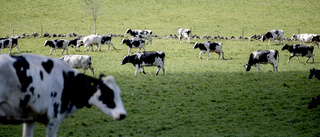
(195, 97)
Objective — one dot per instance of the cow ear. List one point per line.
(102, 77)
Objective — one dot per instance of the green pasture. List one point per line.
(195, 97)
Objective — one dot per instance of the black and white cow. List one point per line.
(184, 33)
(79, 61)
(299, 50)
(263, 57)
(274, 35)
(74, 42)
(89, 41)
(9, 43)
(137, 34)
(47, 90)
(314, 73)
(57, 44)
(134, 43)
(315, 102)
(209, 46)
(306, 38)
(145, 59)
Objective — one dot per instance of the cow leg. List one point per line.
(222, 54)
(28, 129)
(207, 55)
(275, 42)
(142, 69)
(200, 55)
(19, 50)
(100, 47)
(189, 40)
(158, 70)
(137, 68)
(92, 70)
(179, 39)
(52, 128)
(258, 67)
(162, 69)
(219, 55)
(10, 50)
(298, 59)
(151, 41)
(63, 51)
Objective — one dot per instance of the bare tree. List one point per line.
(92, 7)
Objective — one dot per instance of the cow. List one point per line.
(134, 43)
(89, 41)
(209, 46)
(138, 34)
(263, 57)
(315, 101)
(79, 61)
(314, 73)
(274, 35)
(147, 58)
(47, 90)
(9, 43)
(306, 38)
(57, 44)
(74, 42)
(299, 50)
(184, 33)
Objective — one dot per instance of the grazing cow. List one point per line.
(9, 43)
(134, 43)
(89, 41)
(299, 50)
(263, 57)
(306, 38)
(57, 44)
(314, 73)
(79, 61)
(184, 33)
(209, 46)
(47, 90)
(147, 58)
(274, 35)
(146, 34)
(315, 101)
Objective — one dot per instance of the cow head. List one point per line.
(294, 37)
(47, 42)
(107, 98)
(79, 43)
(128, 31)
(285, 47)
(313, 73)
(315, 101)
(125, 41)
(248, 67)
(267, 36)
(125, 60)
(196, 45)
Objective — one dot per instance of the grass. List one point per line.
(195, 97)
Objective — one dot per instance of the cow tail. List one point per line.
(278, 56)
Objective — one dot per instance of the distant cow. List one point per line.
(133, 43)
(184, 33)
(137, 34)
(147, 58)
(47, 90)
(79, 61)
(89, 41)
(9, 43)
(209, 46)
(299, 50)
(274, 35)
(263, 57)
(306, 38)
(57, 44)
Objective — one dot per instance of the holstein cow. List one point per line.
(89, 41)
(306, 38)
(263, 57)
(9, 43)
(315, 101)
(299, 50)
(134, 43)
(274, 35)
(184, 33)
(209, 46)
(57, 44)
(79, 61)
(137, 34)
(47, 90)
(145, 59)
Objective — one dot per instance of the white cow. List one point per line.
(184, 33)
(47, 90)
(79, 61)
(89, 41)
(305, 38)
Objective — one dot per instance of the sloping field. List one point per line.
(195, 97)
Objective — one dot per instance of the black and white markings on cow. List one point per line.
(147, 58)
(208, 46)
(263, 57)
(299, 50)
(47, 90)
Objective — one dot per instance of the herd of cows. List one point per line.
(25, 79)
